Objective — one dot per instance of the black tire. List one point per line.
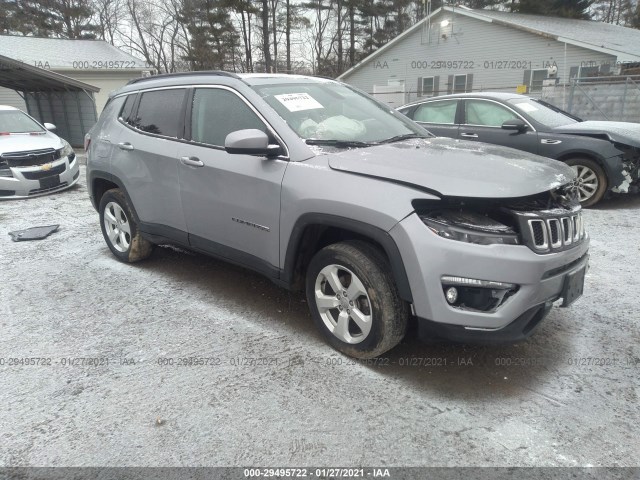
(601, 176)
(388, 312)
(136, 248)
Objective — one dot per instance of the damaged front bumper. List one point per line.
(624, 170)
(539, 280)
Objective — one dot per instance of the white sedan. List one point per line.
(33, 160)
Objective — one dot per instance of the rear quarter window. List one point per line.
(127, 108)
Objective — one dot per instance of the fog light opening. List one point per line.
(452, 295)
(478, 295)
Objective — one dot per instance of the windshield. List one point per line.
(14, 121)
(540, 113)
(334, 114)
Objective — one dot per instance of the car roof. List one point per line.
(487, 95)
(215, 77)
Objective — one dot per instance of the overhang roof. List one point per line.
(27, 78)
(622, 42)
(69, 54)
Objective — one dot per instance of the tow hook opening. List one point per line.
(477, 295)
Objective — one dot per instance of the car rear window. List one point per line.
(159, 112)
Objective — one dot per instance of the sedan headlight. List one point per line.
(67, 150)
(469, 227)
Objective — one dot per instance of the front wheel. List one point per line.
(591, 180)
(120, 229)
(354, 300)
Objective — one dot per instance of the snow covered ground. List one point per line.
(265, 390)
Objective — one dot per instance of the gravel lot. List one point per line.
(273, 392)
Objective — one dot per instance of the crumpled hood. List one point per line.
(621, 132)
(20, 143)
(457, 168)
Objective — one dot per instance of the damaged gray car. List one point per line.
(327, 191)
(604, 155)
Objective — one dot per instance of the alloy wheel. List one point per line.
(586, 182)
(117, 227)
(343, 304)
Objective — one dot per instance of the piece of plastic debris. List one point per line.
(33, 233)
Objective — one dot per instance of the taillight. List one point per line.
(87, 142)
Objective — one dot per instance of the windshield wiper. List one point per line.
(338, 143)
(406, 136)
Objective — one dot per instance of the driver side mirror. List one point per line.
(49, 126)
(515, 124)
(250, 142)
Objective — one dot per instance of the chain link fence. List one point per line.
(598, 98)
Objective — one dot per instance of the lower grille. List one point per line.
(563, 269)
(7, 193)
(48, 189)
(57, 170)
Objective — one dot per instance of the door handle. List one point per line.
(191, 161)
(125, 146)
(469, 135)
(547, 141)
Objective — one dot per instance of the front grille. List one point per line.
(539, 233)
(31, 158)
(48, 189)
(567, 230)
(57, 170)
(552, 231)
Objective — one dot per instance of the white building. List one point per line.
(456, 49)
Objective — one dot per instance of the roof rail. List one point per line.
(182, 74)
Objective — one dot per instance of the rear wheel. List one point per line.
(354, 300)
(120, 229)
(591, 180)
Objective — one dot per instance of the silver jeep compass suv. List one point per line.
(322, 188)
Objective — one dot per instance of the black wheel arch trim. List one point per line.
(109, 177)
(361, 228)
(142, 226)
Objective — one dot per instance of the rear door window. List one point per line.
(443, 112)
(159, 112)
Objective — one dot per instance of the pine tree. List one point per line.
(48, 18)
(213, 35)
(555, 8)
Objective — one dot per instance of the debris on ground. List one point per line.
(33, 233)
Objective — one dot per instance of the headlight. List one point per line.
(66, 149)
(469, 227)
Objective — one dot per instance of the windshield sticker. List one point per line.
(526, 107)
(295, 102)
